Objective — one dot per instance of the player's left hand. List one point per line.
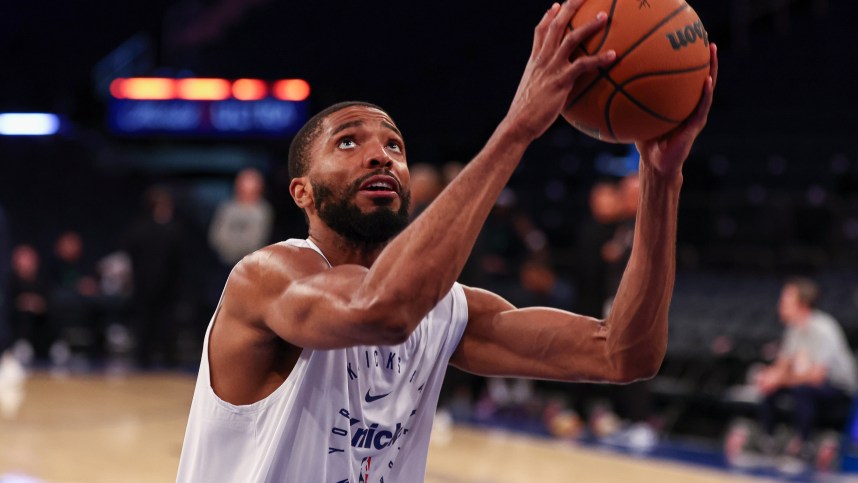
(668, 152)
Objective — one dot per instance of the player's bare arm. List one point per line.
(630, 344)
(383, 304)
(283, 299)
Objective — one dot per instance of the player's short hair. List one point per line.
(808, 290)
(299, 150)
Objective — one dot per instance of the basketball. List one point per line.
(657, 78)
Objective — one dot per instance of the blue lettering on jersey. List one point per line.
(371, 437)
(375, 359)
(372, 443)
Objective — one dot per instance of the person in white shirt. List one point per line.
(325, 357)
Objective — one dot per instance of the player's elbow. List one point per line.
(637, 365)
(391, 330)
(382, 323)
(639, 372)
(640, 368)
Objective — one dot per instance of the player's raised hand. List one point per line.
(668, 152)
(549, 75)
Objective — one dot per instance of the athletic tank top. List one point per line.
(361, 414)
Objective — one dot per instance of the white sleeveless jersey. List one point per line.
(361, 414)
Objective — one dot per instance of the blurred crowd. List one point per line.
(136, 305)
(131, 303)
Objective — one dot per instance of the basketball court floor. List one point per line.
(129, 428)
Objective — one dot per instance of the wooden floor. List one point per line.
(129, 429)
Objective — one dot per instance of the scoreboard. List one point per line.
(207, 107)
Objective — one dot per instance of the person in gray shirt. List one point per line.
(815, 365)
(242, 224)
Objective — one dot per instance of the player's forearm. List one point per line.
(637, 325)
(420, 265)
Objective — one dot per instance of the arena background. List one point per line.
(771, 190)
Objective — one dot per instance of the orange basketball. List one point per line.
(657, 78)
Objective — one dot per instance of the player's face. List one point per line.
(359, 175)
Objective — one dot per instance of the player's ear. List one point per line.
(302, 192)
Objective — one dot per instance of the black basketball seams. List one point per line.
(667, 72)
(604, 72)
(639, 104)
(645, 36)
(607, 26)
(605, 33)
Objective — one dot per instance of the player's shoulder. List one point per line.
(277, 264)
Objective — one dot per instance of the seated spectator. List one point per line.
(29, 302)
(815, 366)
(70, 303)
(68, 269)
(12, 374)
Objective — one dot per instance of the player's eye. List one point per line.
(346, 143)
(394, 146)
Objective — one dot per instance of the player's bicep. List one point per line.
(537, 342)
(319, 312)
(298, 298)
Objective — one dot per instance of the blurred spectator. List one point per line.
(591, 273)
(115, 281)
(815, 366)
(540, 286)
(242, 224)
(30, 303)
(68, 270)
(11, 372)
(155, 244)
(450, 170)
(115, 275)
(604, 247)
(6, 335)
(508, 238)
(70, 303)
(617, 250)
(426, 185)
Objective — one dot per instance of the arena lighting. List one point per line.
(292, 90)
(149, 88)
(28, 124)
(249, 89)
(210, 89)
(203, 89)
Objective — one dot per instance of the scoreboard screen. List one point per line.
(220, 108)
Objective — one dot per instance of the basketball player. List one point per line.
(325, 357)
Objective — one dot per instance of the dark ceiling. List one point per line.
(444, 69)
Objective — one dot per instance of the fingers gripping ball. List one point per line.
(657, 78)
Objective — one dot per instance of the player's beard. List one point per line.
(339, 211)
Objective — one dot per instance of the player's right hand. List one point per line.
(550, 75)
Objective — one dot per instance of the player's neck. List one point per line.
(341, 251)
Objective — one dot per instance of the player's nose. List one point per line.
(377, 156)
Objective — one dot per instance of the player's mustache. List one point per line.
(355, 186)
